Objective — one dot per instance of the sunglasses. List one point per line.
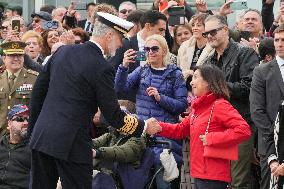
(20, 119)
(124, 11)
(4, 27)
(212, 32)
(154, 49)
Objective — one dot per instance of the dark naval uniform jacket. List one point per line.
(74, 83)
(19, 94)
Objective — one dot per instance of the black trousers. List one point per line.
(209, 184)
(46, 170)
(265, 173)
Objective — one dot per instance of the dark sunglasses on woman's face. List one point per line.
(20, 119)
(154, 49)
(124, 11)
(212, 32)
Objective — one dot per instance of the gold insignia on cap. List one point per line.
(130, 125)
(15, 45)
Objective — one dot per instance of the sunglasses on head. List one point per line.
(20, 119)
(124, 11)
(212, 32)
(154, 49)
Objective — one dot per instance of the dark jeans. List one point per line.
(46, 170)
(209, 184)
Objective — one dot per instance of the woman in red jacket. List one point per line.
(226, 128)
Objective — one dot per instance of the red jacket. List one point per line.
(227, 127)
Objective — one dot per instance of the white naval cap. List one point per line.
(114, 22)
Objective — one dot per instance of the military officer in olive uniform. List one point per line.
(16, 82)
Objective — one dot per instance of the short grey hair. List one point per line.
(100, 29)
(127, 3)
(221, 19)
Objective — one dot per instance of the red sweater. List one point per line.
(227, 127)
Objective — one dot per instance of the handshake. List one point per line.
(153, 126)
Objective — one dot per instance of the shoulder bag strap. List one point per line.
(206, 131)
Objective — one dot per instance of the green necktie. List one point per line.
(11, 81)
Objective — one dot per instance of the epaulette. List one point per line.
(33, 72)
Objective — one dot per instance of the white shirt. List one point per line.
(86, 25)
(280, 62)
(103, 52)
(141, 45)
(141, 42)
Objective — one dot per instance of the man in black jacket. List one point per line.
(75, 82)
(15, 154)
(237, 63)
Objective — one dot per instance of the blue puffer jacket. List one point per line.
(172, 89)
(170, 85)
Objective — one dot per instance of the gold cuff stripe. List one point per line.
(130, 125)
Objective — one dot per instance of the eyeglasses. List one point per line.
(212, 32)
(124, 11)
(154, 49)
(20, 119)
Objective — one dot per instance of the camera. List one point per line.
(141, 55)
(16, 25)
(50, 25)
(176, 15)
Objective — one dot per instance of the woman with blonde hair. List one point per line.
(161, 91)
(34, 43)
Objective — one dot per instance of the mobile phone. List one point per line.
(176, 15)
(16, 25)
(81, 6)
(49, 25)
(141, 55)
(245, 34)
(239, 5)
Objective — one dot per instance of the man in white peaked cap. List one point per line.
(74, 83)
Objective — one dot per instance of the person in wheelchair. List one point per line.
(112, 150)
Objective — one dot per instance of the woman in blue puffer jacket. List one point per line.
(161, 89)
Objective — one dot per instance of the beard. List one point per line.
(19, 135)
(111, 49)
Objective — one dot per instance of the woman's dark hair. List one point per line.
(46, 50)
(82, 34)
(215, 79)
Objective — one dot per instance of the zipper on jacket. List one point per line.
(6, 166)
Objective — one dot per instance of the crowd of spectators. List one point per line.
(154, 68)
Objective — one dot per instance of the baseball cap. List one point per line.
(43, 15)
(17, 109)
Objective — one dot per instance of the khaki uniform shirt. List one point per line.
(19, 94)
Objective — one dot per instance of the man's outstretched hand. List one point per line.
(153, 126)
